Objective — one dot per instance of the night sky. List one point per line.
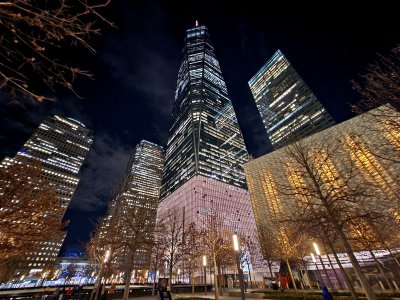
(136, 68)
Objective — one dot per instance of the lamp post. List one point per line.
(316, 248)
(20, 280)
(43, 278)
(240, 271)
(179, 272)
(205, 274)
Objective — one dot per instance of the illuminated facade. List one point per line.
(141, 189)
(61, 145)
(203, 173)
(205, 138)
(288, 108)
(347, 156)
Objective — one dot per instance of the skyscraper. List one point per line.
(203, 171)
(140, 189)
(205, 138)
(61, 145)
(288, 108)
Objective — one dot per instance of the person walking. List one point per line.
(325, 293)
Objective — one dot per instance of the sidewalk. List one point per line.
(210, 295)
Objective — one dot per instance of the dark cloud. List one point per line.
(102, 171)
(144, 59)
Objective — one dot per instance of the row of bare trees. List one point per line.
(186, 245)
(121, 236)
(336, 192)
(116, 242)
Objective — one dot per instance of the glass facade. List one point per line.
(61, 145)
(203, 174)
(205, 138)
(141, 189)
(288, 108)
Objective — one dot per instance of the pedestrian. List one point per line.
(325, 293)
(68, 293)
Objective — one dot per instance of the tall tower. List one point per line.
(288, 108)
(203, 172)
(61, 145)
(205, 138)
(140, 189)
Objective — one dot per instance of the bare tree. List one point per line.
(248, 250)
(268, 245)
(105, 247)
(326, 192)
(367, 238)
(380, 85)
(288, 240)
(157, 255)
(32, 35)
(192, 251)
(215, 239)
(173, 237)
(226, 260)
(30, 212)
(137, 224)
(329, 240)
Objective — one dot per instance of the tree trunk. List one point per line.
(220, 274)
(248, 266)
(153, 290)
(369, 292)
(382, 271)
(291, 275)
(170, 276)
(128, 276)
(106, 275)
(305, 272)
(216, 288)
(334, 271)
(96, 287)
(346, 277)
(270, 269)
(192, 275)
(326, 273)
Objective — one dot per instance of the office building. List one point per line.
(140, 190)
(203, 173)
(287, 106)
(61, 145)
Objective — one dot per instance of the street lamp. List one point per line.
(20, 280)
(316, 248)
(205, 274)
(240, 271)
